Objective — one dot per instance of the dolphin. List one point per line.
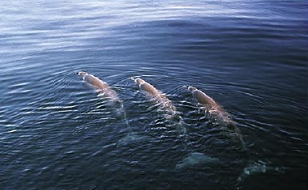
(164, 104)
(217, 113)
(106, 91)
(159, 97)
(102, 87)
(211, 106)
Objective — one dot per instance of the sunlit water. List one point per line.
(56, 132)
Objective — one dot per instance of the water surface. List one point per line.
(57, 133)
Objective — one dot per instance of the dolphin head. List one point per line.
(191, 88)
(139, 81)
(82, 73)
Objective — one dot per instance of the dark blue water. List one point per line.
(57, 133)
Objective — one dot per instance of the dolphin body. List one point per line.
(102, 87)
(217, 114)
(161, 99)
(211, 106)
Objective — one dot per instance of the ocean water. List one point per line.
(56, 132)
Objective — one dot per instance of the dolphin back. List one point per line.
(92, 80)
(202, 98)
(96, 82)
(149, 88)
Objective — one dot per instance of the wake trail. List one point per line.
(124, 118)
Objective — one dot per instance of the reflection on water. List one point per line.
(250, 56)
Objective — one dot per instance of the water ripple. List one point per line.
(57, 132)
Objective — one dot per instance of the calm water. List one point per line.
(57, 133)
